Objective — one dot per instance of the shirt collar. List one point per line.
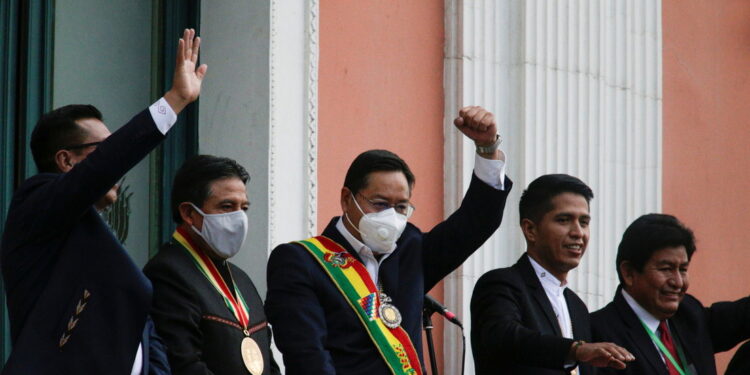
(548, 280)
(651, 322)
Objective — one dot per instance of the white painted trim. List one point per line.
(294, 120)
(293, 103)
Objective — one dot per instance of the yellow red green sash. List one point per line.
(351, 278)
(207, 267)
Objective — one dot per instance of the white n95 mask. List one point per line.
(224, 233)
(380, 230)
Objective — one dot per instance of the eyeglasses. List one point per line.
(83, 145)
(403, 208)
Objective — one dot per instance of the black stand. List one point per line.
(427, 322)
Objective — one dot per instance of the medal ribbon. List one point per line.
(206, 266)
(663, 349)
(351, 278)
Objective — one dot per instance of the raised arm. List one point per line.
(449, 244)
(70, 194)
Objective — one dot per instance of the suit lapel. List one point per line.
(578, 316)
(686, 339)
(638, 336)
(537, 291)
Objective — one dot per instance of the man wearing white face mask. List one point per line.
(207, 309)
(350, 301)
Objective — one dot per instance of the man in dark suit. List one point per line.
(350, 301)
(77, 303)
(653, 317)
(524, 319)
(206, 308)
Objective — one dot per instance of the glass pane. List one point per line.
(102, 56)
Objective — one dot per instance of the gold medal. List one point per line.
(252, 356)
(389, 314)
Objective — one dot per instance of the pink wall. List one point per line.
(706, 165)
(381, 86)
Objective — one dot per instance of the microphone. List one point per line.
(431, 304)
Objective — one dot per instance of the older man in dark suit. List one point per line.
(669, 331)
(524, 319)
(350, 301)
(77, 302)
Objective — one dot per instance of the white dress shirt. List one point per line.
(490, 171)
(649, 320)
(555, 290)
(164, 118)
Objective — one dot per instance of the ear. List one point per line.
(529, 229)
(187, 213)
(345, 201)
(64, 160)
(627, 272)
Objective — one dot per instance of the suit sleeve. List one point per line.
(729, 323)
(498, 330)
(157, 353)
(449, 244)
(177, 317)
(70, 194)
(295, 313)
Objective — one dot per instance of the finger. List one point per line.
(189, 45)
(196, 48)
(201, 72)
(459, 122)
(488, 120)
(478, 116)
(186, 41)
(616, 364)
(469, 115)
(623, 354)
(180, 51)
(462, 111)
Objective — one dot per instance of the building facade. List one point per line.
(642, 99)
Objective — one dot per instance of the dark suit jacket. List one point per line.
(77, 302)
(513, 326)
(740, 363)
(701, 331)
(202, 335)
(319, 333)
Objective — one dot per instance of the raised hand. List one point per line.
(186, 85)
(602, 354)
(478, 124)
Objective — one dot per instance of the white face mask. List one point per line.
(380, 230)
(224, 233)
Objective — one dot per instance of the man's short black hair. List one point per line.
(58, 129)
(649, 234)
(193, 180)
(536, 200)
(375, 161)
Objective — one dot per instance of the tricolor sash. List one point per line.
(206, 266)
(351, 278)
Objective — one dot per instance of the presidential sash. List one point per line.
(351, 278)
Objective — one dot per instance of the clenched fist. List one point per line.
(478, 124)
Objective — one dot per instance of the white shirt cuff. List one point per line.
(163, 115)
(490, 171)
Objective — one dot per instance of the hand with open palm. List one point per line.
(186, 85)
